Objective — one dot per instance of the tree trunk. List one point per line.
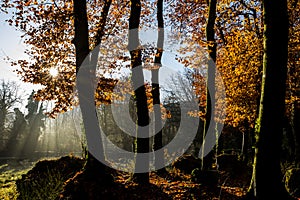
(267, 179)
(19, 127)
(296, 131)
(3, 114)
(87, 104)
(211, 73)
(81, 40)
(33, 134)
(142, 144)
(159, 159)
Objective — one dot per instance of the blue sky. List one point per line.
(13, 47)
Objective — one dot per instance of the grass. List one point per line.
(44, 180)
(8, 188)
(47, 186)
(8, 191)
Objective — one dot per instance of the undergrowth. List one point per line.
(8, 188)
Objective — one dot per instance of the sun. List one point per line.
(53, 71)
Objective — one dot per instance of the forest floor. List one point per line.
(62, 178)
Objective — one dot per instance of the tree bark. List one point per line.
(296, 127)
(211, 74)
(81, 42)
(157, 144)
(267, 178)
(142, 144)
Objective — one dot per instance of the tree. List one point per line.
(81, 42)
(9, 97)
(238, 60)
(266, 180)
(158, 138)
(142, 144)
(18, 128)
(293, 82)
(211, 74)
(178, 89)
(53, 23)
(35, 122)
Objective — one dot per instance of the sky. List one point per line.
(11, 45)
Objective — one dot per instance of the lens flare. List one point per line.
(53, 72)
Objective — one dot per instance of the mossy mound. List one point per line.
(46, 179)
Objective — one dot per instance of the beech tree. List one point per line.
(293, 81)
(238, 60)
(82, 45)
(61, 34)
(267, 179)
(61, 26)
(48, 29)
(211, 74)
(142, 144)
(158, 138)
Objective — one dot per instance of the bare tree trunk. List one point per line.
(267, 178)
(159, 159)
(211, 74)
(142, 144)
(81, 42)
(296, 127)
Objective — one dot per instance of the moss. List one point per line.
(46, 179)
(8, 188)
(292, 180)
(9, 191)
